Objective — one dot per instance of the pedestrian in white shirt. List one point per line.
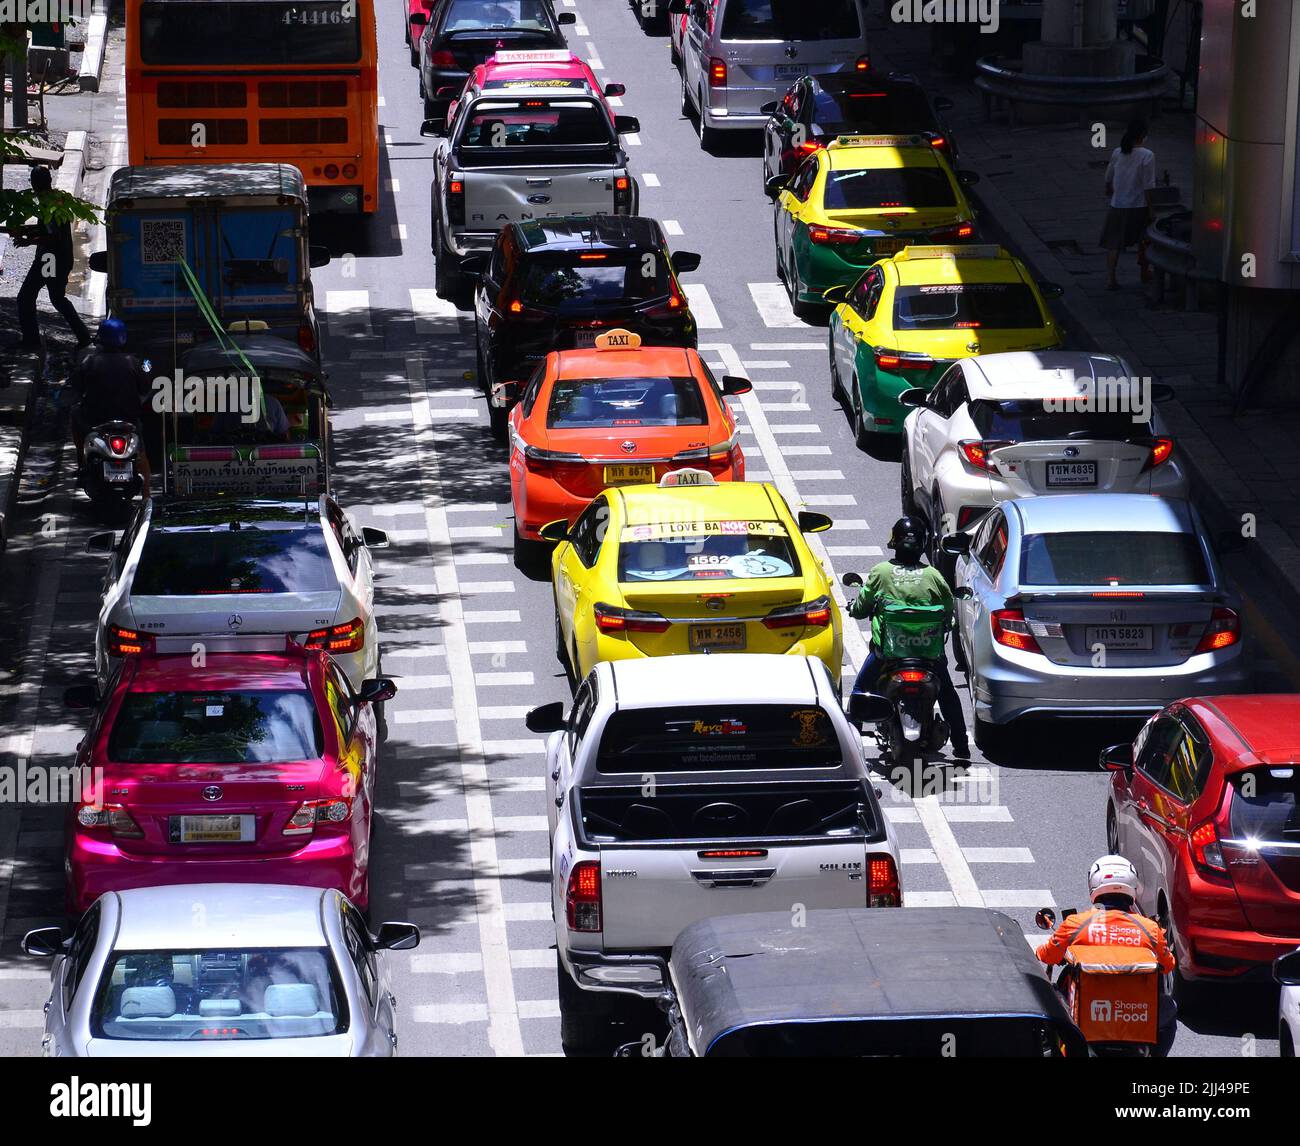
(1130, 176)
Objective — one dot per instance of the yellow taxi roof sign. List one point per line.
(618, 339)
(676, 479)
(966, 251)
(877, 141)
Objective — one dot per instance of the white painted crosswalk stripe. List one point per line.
(527, 913)
(774, 305)
(976, 813)
(673, 227)
(530, 747)
(347, 310)
(433, 312)
(821, 499)
(706, 314)
(998, 855)
(650, 179)
(854, 550)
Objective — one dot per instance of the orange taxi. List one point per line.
(614, 414)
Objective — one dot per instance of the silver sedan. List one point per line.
(221, 969)
(1092, 605)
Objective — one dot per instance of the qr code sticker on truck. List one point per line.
(162, 240)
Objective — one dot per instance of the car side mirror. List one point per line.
(943, 103)
(956, 544)
(81, 696)
(447, 91)
(376, 689)
(1161, 392)
(1229, 541)
(43, 942)
(1045, 918)
(397, 936)
(733, 385)
(914, 397)
(546, 718)
(851, 579)
(769, 108)
(835, 295)
(868, 707)
(967, 178)
(566, 18)
(373, 538)
(418, 19)
(627, 124)
(686, 261)
(102, 544)
(431, 127)
(318, 255)
(555, 531)
(614, 90)
(812, 522)
(98, 261)
(774, 186)
(1286, 968)
(963, 593)
(1117, 758)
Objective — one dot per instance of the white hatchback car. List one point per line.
(1286, 970)
(239, 576)
(999, 426)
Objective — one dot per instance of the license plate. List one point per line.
(1071, 473)
(717, 637)
(789, 71)
(887, 246)
(118, 471)
(625, 475)
(585, 339)
(231, 829)
(1136, 638)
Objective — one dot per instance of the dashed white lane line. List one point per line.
(399, 230)
(805, 451)
(527, 912)
(998, 855)
(515, 747)
(673, 227)
(706, 314)
(392, 185)
(501, 1010)
(457, 1014)
(483, 559)
(650, 179)
(593, 60)
(774, 305)
(786, 408)
(977, 813)
(1019, 897)
(487, 587)
(631, 138)
(821, 346)
(828, 499)
(491, 617)
(817, 475)
(809, 428)
(854, 550)
(765, 364)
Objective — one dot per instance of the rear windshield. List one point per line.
(252, 559)
(1266, 805)
(536, 123)
(767, 736)
(261, 32)
(601, 403)
(790, 20)
(231, 994)
(706, 551)
(1028, 421)
(887, 187)
(473, 15)
(898, 111)
(957, 306)
(571, 282)
(245, 727)
(1112, 559)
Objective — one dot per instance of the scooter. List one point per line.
(109, 474)
(912, 639)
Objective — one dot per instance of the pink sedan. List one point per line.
(258, 767)
(415, 27)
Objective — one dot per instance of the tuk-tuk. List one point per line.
(917, 982)
(250, 416)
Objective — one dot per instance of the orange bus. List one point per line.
(259, 81)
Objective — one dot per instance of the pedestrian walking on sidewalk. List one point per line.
(1130, 177)
(49, 271)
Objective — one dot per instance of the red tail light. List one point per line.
(552, 463)
(1011, 629)
(1206, 852)
(1223, 631)
(1161, 450)
(334, 811)
(977, 453)
(346, 638)
(582, 897)
(862, 64)
(911, 676)
(331, 171)
(117, 445)
(809, 146)
(127, 642)
(833, 236)
(815, 614)
(949, 234)
(882, 882)
(612, 619)
(456, 200)
(967, 514)
(442, 59)
(307, 338)
(717, 73)
(937, 141)
(902, 360)
(114, 817)
(623, 195)
(349, 171)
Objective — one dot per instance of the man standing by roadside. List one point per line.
(1130, 177)
(50, 270)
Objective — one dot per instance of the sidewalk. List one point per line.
(1041, 191)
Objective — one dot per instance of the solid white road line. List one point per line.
(706, 314)
(774, 305)
(966, 892)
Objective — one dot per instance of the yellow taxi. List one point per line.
(689, 565)
(858, 199)
(910, 317)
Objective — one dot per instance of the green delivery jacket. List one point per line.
(907, 584)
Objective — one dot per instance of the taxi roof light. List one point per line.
(965, 251)
(878, 141)
(618, 339)
(678, 479)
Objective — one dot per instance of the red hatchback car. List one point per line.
(1206, 804)
(257, 767)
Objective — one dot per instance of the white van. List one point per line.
(741, 54)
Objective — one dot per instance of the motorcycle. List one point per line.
(912, 641)
(1067, 985)
(109, 474)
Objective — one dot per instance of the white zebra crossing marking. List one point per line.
(347, 308)
(706, 314)
(774, 305)
(650, 179)
(673, 227)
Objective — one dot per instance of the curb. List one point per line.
(72, 170)
(92, 56)
(1222, 496)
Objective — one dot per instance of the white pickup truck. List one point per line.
(529, 153)
(681, 788)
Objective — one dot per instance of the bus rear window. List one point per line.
(251, 32)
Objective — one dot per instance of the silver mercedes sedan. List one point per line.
(221, 969)
(1092, 605)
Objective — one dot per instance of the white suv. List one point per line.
(999, 426)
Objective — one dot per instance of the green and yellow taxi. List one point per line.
(858, 199)
(911, 316)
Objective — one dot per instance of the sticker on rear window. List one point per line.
(660, 529)
(215, 710)
(812, 728)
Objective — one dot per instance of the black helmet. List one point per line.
(909, 537)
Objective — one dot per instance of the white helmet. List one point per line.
(1113, 875)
